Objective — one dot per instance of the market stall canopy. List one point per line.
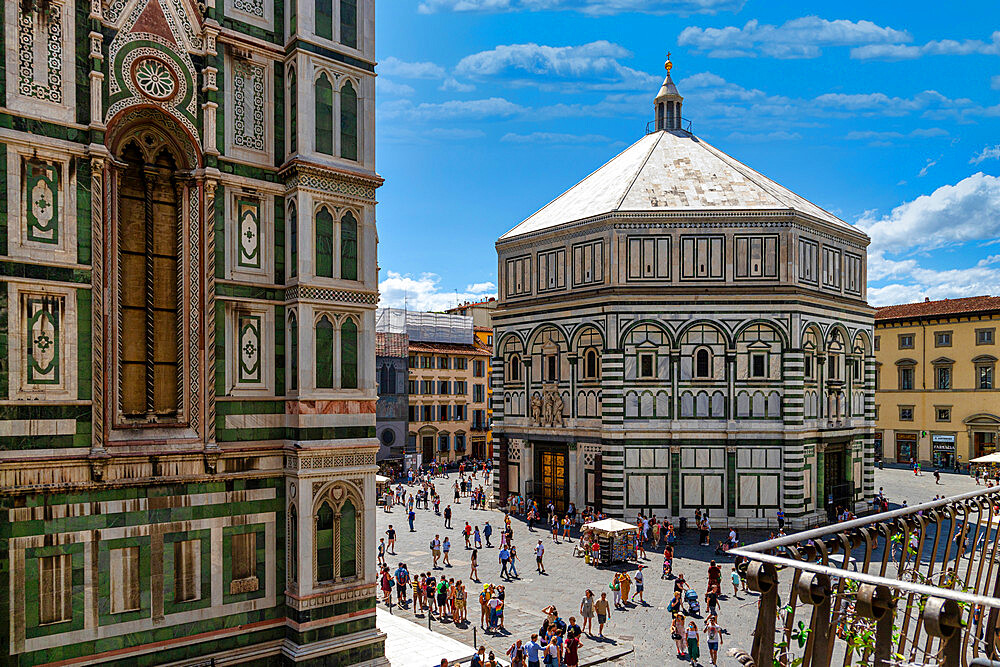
(381, 479)
(989, 458)
(610, 526)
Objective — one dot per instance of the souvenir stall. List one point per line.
(381, 486)
(615, 541)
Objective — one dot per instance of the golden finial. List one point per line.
(669, 64)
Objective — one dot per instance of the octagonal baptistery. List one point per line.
(679, 332)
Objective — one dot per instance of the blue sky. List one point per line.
(887, 114)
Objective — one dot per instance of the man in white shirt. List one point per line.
(539, 552)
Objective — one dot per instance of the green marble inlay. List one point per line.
(259, 569)
(170, 603)
(104, 556)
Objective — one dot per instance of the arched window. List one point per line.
(348, 540)
(392, 379)
(324, 18)
(324, 114)
(702, 364)
(383, 379)
(293, 240)
(324, 243)
(590, 361)
(349, 355)
(324, 543)
(293, 352)
(348, 122)
(324, 353)
(514, 368)
(349, 247)
(293, 544)
(349, 23)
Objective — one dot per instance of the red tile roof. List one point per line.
(945, 307)
(391, 344)
(484, 329)
(451, 348)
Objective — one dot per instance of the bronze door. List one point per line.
(553, 480)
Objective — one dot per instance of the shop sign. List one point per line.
(943, 442)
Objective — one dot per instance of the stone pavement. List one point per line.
(638, 635)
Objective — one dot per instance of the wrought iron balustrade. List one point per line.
(913, 586)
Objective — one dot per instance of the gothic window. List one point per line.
(324, 353)
(293, 240)
(348, 540)
(349, 23)
(324, 19)
(324, 243)
(293, 109)
(703, 364)
(349, 247)
(42, 206)
(293, 18)
(348, 122)
(324, 543)
(383, 380)
(349, 355)
(324, 113)
(55, 589)
(293, 352)
(148, 292)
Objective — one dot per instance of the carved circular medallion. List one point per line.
(154, 78)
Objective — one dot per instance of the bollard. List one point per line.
(475, 644)
(428, 619)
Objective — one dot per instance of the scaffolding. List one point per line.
(425, 327)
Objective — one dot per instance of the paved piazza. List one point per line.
(641, 627)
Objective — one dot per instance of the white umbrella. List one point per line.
(989, 458)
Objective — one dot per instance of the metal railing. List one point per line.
(913, 586)
(685, 125)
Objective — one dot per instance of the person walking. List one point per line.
(603, 610)
(381, 551)
(391, 535)
(677, 634)
(447, 517)
(736, 583)
(539, 552)
(446, 547)
(474, 573)
(626, 584)
(639, 580)
(410, 517)
(587, 611)
(504, 559)
(477, 540)
(487, 532)
(513, 561)
(436, 550)
(713, 636)
(467, 533)
(616, 589)
(692, 643)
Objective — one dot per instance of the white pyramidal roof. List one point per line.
(670, 171)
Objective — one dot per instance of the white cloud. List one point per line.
(776, 135)
(410, 70)
(389, 87)
(941, 47)
(951, 215)
(926, 167)
(555, 138)
(451, 83)
(988, 153)
(397, 133)
(919, 133)
(911, 282)
(995, 82)
(595, 65)
(452, 109)
(803, 37)
(424, 292)
(589, 7)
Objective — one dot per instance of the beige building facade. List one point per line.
(937, 399)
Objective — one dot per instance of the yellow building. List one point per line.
(447, 389)
(484, 336)
(937, 399)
